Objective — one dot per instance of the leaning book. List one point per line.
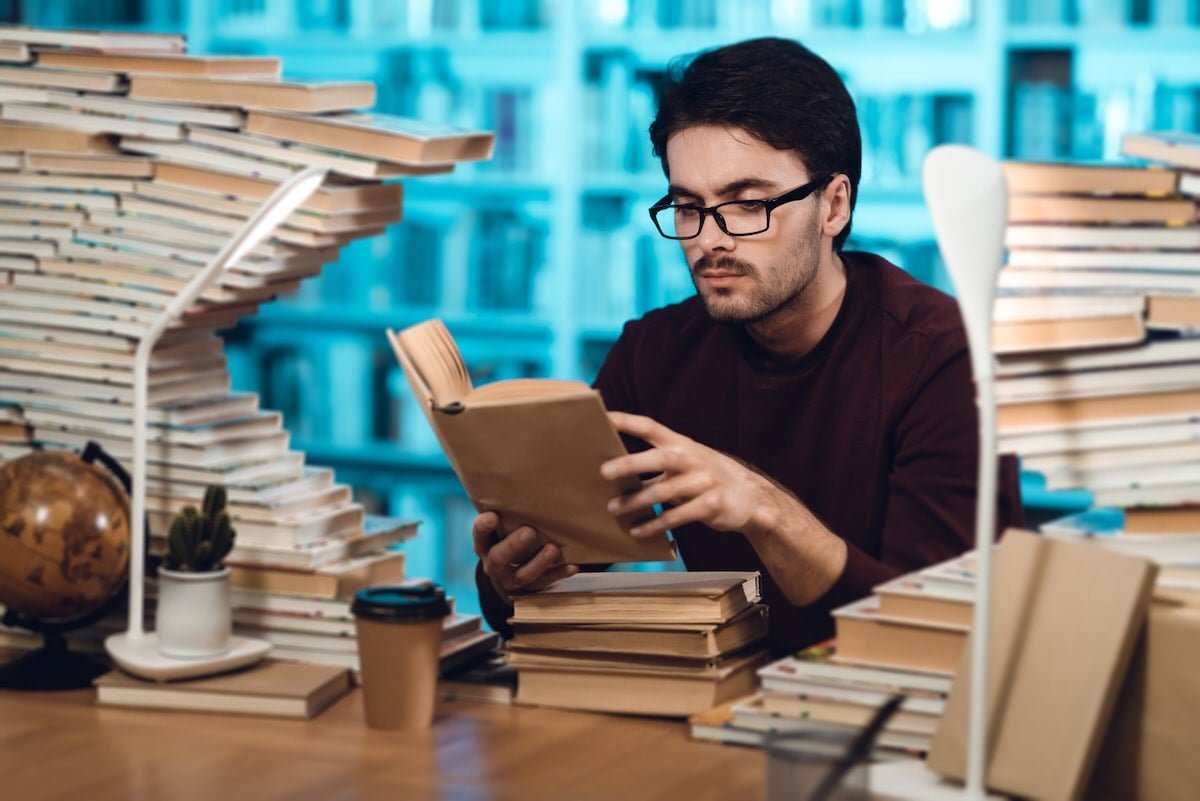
(528, 449)
(273, 688)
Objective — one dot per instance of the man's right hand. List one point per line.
(520, 562)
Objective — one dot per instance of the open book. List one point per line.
(529, 449)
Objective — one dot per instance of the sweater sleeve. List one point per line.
(931, 488)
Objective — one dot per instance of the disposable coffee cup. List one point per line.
(399, 635)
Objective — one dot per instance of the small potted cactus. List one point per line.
(193, 617)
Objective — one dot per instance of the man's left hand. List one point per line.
(701, 485)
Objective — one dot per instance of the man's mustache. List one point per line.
(725, 264)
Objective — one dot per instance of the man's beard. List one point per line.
(764, 298)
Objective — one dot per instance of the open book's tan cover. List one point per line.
(1065, 619)
(535, 461)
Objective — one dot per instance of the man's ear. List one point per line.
(835, 206)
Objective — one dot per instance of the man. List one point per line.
(810, 412)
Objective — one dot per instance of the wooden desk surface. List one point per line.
(63, 746)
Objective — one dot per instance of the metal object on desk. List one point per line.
(825, 764)
(800, 764)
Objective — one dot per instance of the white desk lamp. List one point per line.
(968, 200)
(136, 650)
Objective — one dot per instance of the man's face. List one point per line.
(745, 278)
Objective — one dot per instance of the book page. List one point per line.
(525, 388)
(428, 349)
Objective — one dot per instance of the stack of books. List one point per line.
(125, 165)
(306, 616)
(907, 637)
(812, 692)
(1106, 397)
(654, 643)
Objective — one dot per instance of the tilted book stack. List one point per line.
(1118, 248)
(663, 643)
(125, 165)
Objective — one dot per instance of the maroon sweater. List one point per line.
(875, 430)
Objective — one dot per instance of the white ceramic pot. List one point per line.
(193, 617)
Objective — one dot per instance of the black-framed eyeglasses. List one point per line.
(735, 217)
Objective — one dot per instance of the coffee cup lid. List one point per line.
(401, 603)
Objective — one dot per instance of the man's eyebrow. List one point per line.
(731, 188)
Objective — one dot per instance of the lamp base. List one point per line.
(140, 656)
(911, 780)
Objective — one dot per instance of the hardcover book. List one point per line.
(1058, 653)
(1176, 148)
(1050, 178)
(670, 691)
(867, 636)
(694, 640)
(381, 136)
(661, 597)
(272, 688)
(95, 40)
(171, 63)
(528, 449)
(254, 93)
(816, 664)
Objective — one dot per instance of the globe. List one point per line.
(64, 536)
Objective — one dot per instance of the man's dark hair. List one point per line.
(776, 89)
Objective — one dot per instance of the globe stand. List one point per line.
(52, 667)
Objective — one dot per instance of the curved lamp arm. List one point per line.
(286, 198)
(968, 199)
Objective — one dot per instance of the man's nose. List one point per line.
(712, 236)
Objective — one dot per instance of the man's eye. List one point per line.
(746, 205)
(686, 212)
